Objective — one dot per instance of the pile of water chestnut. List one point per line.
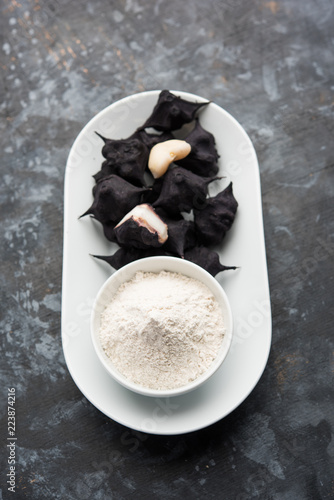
(151, 193)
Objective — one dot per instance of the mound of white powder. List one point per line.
(162, 330)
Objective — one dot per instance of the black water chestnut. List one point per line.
(216, 217)
(155, 190)
(141, 228)
(182, 190)
(206, 258)
(181, 234)
(126, 158)
(203, 157)
(113, 198)
(108, 230)
(171, 112)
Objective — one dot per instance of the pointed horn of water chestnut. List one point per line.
(104, 139)
(208, 259)
(124, 256)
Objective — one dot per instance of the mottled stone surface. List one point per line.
(270, 64)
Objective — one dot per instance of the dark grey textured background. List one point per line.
(270, 64)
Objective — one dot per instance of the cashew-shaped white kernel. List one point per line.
(164, 153)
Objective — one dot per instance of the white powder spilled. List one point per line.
(162, 330)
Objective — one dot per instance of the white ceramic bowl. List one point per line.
(157, 264)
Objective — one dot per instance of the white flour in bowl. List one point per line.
(162, 330)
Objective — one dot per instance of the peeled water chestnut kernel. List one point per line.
(141, 228)
(164, 153)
